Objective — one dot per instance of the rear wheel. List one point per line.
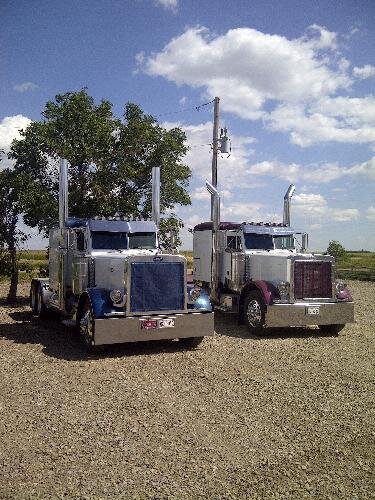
(86, 326)
(254, 312)
(33, 299)
(331, 329)
(36, 301)
(190, 342)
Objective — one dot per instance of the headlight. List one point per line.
(195, 293)
(283, 288)
(116, 296)
(340, 286)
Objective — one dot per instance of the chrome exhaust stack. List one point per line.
(287, 198)
(215, 197)
(63, 193)
(156, 195)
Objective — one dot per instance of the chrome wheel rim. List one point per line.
(254, 313)
(86, 326)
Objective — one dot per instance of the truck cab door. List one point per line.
(233, 244)
(57, 265)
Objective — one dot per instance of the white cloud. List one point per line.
(364, 72)
(365, 169)
(291, 172)
(309, 204)
(370, 215)
(200, 193)
(25, 87)
(344, 214)
(324, 173)
(355, 111)
(321, 38)
(254, 72)
(257, 65)
(171, 5)
(9, 130)
(140, 57)
(340, 119)
(241, 211)
(314, 208)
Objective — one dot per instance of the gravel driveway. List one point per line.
(290, 415)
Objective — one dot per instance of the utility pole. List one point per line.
(215, 149)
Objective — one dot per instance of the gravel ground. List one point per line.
(290, 415)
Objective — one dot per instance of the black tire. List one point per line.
(190, 342)
(254, 313)
(331, 329)
(33, 299)
(36, 302)
(86, 326)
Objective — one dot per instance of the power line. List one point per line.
(184, 110)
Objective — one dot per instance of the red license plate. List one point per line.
(149, 324)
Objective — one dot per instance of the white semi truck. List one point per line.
(110, 277)
(255, 270)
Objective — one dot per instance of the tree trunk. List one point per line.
(12, 294)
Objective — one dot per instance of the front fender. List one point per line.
(100, 301)
(268, 291)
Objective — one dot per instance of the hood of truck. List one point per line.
(110, 267)
(152, 283)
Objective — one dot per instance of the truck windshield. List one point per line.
(142, 240)
(105, 240)
(255, 241)
(284, 242)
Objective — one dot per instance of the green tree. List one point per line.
(169, 232)
(10, 236)
(336, 250)
(110, 161)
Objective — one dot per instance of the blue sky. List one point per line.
(295, 79)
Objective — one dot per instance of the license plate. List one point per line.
(166, 323)
(312, 311)
(154, 324)
(149, 324)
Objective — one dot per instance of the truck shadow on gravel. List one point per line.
(61, 342)
(21, 302)
(229, 326)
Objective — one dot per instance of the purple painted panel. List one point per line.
(207, 226)
(268, 291)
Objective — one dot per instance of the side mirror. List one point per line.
(305, 242)
(80, 241)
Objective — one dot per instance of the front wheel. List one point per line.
(190, 342)
(331, 329)
(254, 312)
(86, 326)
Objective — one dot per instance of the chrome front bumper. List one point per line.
(128, 329)
(333, 313)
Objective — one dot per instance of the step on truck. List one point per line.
(110, 277)
(255, 270)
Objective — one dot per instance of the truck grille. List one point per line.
(157, 286)
(312, 280)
